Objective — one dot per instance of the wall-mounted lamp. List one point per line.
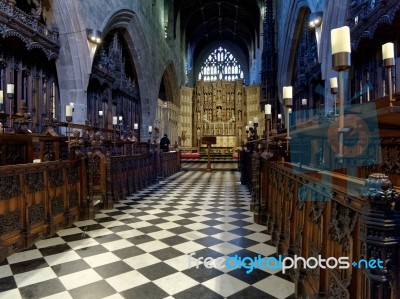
(94, 36)
(315, 19)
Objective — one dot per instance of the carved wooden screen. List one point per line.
(112, 87)
(28, 50)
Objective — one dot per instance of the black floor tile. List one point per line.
(128, 252)
(166, 253)
(201, 274)
(179, 230)
(42, 289)
(70, 267)
(75, 237)
(251, 293)
(198, 292)
(149, 229)
(54, 249)
(208, 241)
(157, 271)
(184, 221)
(140, 239)
(90, 251)
(95, 290)
(242, 231)
(243, 242)
(252, 277)
(7, 283)
(113, 269)
(120, 228)
(148, 291)
(30, 265)
(210, 231)
(174, 240)
(107, 238)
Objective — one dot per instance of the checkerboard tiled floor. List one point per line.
(140, 248)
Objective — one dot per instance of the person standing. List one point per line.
(164, 143)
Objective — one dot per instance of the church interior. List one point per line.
(281, 175)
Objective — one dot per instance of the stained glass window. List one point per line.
(221, 65)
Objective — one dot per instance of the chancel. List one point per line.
(281, 174)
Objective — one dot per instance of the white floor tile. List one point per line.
(127, 280)
(276, 286)
(225, 285)
(141, 261)
(78, 279)
(170, 283)
(101, 259)
(34, 276)
(24, 256)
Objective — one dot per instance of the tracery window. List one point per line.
(220, 65)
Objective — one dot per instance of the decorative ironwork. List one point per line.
(10, 186)
(56, 177)
(34, 181)
(9, 222)
(36, 213)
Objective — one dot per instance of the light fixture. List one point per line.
(388, 62)
(315, 19)
(94, 35)
(341, 61)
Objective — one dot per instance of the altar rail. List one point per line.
(36, 200)
(309, 212)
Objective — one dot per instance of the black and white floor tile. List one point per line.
(140, 249)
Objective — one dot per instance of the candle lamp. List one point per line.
(68, 118)
(115, 125)
(255, 126)
(1, 102)
(150, 133)
(268, 117)
(304, 103)
(334, 90)
(10, 96)
(388, 62)
(341, 61)
(288, 102)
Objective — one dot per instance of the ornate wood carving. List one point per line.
(73, 174)
(337, 288)
(57, 205)
(9, 222)
(73, 200)
(27, 29)
(36, 213)
(366, 16)
(34, 181)
(342, 223)
(10, 186)
(56, 177)
(48, 152)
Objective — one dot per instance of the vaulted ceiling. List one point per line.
(206, 21)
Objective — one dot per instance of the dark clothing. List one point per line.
(164, 144)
